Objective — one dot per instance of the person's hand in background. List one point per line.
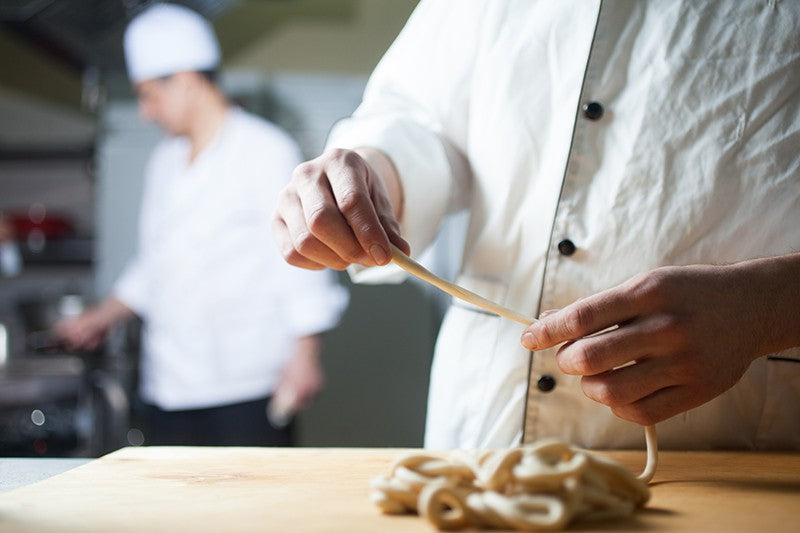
(89, 329)
(301, 379)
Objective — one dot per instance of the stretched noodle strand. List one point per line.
(415, 269)
(652, 454)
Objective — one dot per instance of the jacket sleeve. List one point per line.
(132, 286)
(315, 302)
(416, 110)
(311, 302)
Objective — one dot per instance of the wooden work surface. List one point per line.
(300, 490)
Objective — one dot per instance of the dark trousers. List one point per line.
(239, 424)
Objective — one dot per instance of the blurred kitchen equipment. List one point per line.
(40, 314)
(10, 259)
(43, 407)
(47, 236)
(43, 342)
(56, 406)
(54, 403)
(38, 223)
(4, 344)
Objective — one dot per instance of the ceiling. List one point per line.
(84, 33)
(59, 59)
(53, 54)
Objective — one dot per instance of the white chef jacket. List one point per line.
(695, 159)
(221, 308)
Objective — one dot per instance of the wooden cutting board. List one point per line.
(326, 490)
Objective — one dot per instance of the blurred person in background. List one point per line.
(228, 327)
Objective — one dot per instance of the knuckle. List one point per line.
(654, 286)
(674, 331)
(637, 414)
(286, 195)
(606, 394)
(336, 154)
(578, 318)
(291, 256)
(339, 265)
(350, 158)
(543, 336)
(349, 256)
(351, 202)
(276, 219)
(343, 156)
(305, 171)
(320, 220)
(339, 159)
(304, 243)
(388, 220)
(321, 225)
(587, 359)
(287, 252)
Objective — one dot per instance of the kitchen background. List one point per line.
(72, 154)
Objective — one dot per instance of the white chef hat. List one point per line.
(169, 38)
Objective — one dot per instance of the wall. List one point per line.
(348, 40)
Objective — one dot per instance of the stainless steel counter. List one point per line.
(17, 472)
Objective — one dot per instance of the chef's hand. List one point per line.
(338, 209)
(89, 329)
(687, 334)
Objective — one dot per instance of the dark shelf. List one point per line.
(73, 250)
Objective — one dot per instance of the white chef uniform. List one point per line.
(688, 153)
(221, 308)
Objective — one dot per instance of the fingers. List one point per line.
(335, 212)
(388, 221)
(302, 380)
(601, 352)
(658, 406)
(644, 392)
(308, 392)
(628, 384)
(323, 218)
(290, 254)
(299, 246)
(78, 336)
(547, 312)
(349, 185)
(579, 319)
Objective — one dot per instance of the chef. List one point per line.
(228, 327)
(631, 167)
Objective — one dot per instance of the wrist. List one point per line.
(775, 304)
(386, 172)
(110, 312)
(308, 346)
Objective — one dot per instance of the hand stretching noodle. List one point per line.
(415, 269)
